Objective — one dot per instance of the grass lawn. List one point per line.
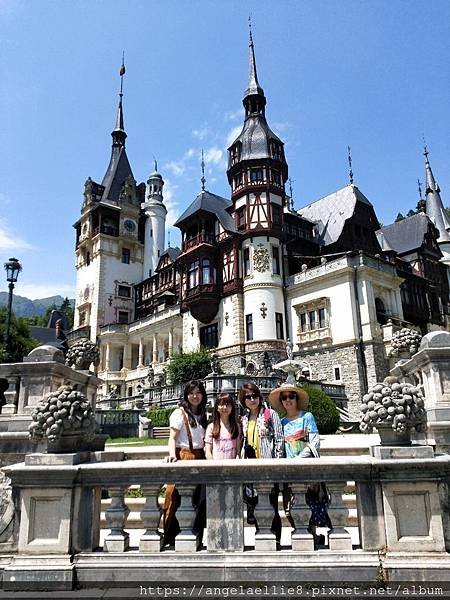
(136, 441)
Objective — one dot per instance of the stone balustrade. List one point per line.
(402, 507)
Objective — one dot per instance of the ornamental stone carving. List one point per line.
(405, 339)
(81, 354)
(65, 417)
(261, 259)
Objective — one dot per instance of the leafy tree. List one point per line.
(399, 217)
(190, 365)
(323, 408)
(447, 210)
(160, 416)
(21, 341)
(66, 308)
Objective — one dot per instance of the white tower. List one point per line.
(155, 225)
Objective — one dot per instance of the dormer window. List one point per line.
(276, 177)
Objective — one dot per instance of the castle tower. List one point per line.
(257, 173)
(109, 241)
(436, 212)
(155, 224)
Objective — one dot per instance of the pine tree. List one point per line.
(399, 217)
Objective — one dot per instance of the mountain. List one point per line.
(24, 307)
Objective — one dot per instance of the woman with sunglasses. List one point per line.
(301, 440)
(186, 442)
(263, 438)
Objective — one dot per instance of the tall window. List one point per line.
(241, 217)
(249, 327)
(193, 274)
(303, 322)
(246, 261)
(209, 336)
(126, 256)
(322, 321)
(122, 316)
(276, 214)
(276, 260)
(207, 275)
(312, 319)
(279, 326)
(256, 174)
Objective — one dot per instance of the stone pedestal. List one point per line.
(225, 524)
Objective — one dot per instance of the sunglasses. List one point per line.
(252, 397)
(288, 396)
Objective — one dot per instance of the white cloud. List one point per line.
(232, 134)
(214, 155)
(177, 168)
(235, 114)
(9, 241)
(202, 132)
(35, 291)
(171, 202)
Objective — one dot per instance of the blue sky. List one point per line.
(373, 75)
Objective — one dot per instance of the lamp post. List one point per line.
(12, 268)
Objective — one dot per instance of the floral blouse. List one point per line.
(269, 431)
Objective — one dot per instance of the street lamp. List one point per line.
(12, 268)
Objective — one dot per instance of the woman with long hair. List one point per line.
(223, 435)
(186, 442)
(262, 438)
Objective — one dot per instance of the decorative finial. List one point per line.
(250, 28)
(425, 148)
(419, 185)
(122, 73)
(350, 174)
(291, 195)
(168, 237)
(156, 164)
(203, 180)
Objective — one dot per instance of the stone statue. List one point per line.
(214, 363)
(289, 349)
(81, 354)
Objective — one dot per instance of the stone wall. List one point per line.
(377, 363)
(235, 359)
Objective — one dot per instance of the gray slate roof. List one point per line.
(213, 204)
(255, 138)
(331, 212)
(118, 170)
(405, 235)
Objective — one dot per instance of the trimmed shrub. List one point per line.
(160, 416)
(323, 408)
(185, 366)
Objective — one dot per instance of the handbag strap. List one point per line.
(188, 429)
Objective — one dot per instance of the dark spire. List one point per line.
(434, 206)
(254, 100)
(119, 135)
(350, 173)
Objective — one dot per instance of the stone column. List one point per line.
(116, 515)
(141, 353)
(150, 515)
(127, 356)
(107, 357)
(170, 342)
(339, 538)
(302, 540)
(225, 525)
(265, 540)
(186, 540)
(155, 348)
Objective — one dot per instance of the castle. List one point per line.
(252, 271)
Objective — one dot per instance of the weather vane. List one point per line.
(350, 174)
(168, 237)
(290, 181)
(122, 73)
(420, 188)
(425, 149)
(203, 180)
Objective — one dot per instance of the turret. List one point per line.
(155, 224)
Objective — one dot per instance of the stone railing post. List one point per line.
(224, 513)
(150, 515)
(339, 538)
(302, 539)
(264, 539)
(116, 515)
(369, 502)
(186, 540)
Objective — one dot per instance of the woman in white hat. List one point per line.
(301, 436)
(301, 440)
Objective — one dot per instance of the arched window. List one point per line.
(381, 311)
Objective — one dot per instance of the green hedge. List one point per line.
(324, 410)
(160, 416)
(185, 366)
